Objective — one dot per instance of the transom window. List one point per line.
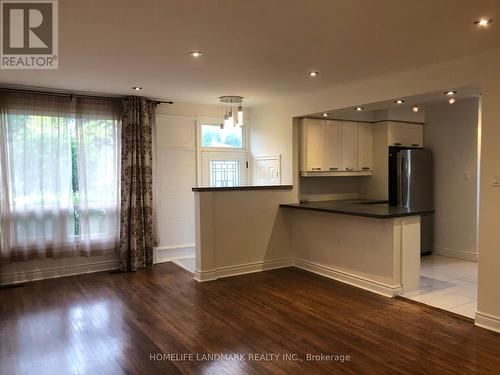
(214, 136)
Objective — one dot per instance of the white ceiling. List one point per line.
(420, 101)
(261, 49)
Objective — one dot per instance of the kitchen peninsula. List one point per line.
(364, 243)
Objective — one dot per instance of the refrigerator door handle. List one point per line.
(404, 183)
(402, 180)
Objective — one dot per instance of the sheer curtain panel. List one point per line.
(58, 176)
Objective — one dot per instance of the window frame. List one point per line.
(215, 121)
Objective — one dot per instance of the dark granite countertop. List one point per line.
(245, 187)
(360, 207)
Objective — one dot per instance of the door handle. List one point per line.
(366, 168)
(316, 169)
(334, 169)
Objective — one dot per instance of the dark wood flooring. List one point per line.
(113, 323)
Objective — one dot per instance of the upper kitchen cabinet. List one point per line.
(365, 147)
(313, 139)
(335, 148)
(405, 134)
(333, 132)
(349, 147)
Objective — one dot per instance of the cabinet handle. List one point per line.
(316, 169)
(397, 144)
(334, 169)
(415, 145)
(366, 168)
(349, 169)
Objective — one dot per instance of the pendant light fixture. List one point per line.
(230, 103)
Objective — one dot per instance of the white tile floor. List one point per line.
(449, 284)
(186, 263)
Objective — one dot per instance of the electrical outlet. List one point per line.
(467, 175)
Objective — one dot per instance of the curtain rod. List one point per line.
(70, 95)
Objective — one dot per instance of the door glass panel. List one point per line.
(224, 173)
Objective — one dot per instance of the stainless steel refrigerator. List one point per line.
(411, 186)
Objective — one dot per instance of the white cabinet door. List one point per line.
(365, 147)
(314, 133)
(409, 135)
(414, 135)
(333, 131)
(349, 152)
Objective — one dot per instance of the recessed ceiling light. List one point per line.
(452, 100)
(359, 108)
(313, 74)
(196, 53)
(325, 114)
(483, 22)
(415, 108)
(137, 88)
(450, 92)
(399, 101)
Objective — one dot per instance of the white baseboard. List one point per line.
(59, 271)
(357, 281)
(488, 321)
(454, 253)
(242, 269)
(169, 253)
(347, 278)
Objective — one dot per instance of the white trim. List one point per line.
(358, 281)
(60, 271)
(488, 321)
(215, 121)
(454, 253)
(242, 269)
(342, 276)
(163, 254)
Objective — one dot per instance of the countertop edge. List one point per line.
(235, 188)
(362, 214)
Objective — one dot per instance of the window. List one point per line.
(214, 136)
(59, 171)
(224, 173)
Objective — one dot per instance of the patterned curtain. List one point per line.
(136, 218)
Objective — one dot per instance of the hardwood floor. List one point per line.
(112, 323)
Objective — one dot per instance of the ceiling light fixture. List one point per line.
(313, 74)
(359, 108)
(229, 103)
(325, 114)
(415, 108)
(195, 53)
(483, 22)
(452, 100)
(137, 88)
(399, 101)
(450, 92)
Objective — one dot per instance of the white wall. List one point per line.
(176, 175)
(331, 188)
(451, 133)
(268, 138)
